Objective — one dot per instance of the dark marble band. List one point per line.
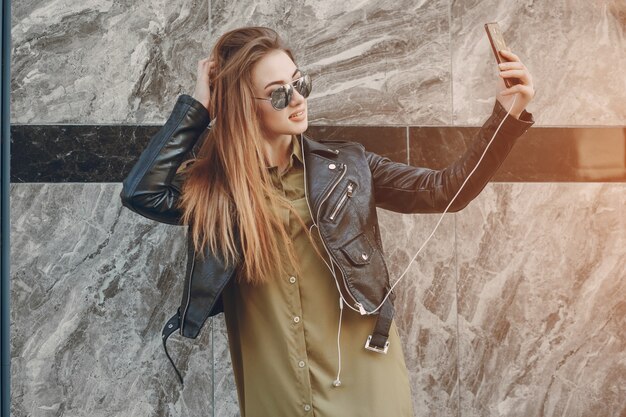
(105, 153)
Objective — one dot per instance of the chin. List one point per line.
(289, 128)
(298, 128)
(305, 126)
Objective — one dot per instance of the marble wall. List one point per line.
(541, 320)
(373, 62)
(515, 308)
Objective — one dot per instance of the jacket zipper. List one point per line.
(343, 199)
(193, 263)
(316, 220)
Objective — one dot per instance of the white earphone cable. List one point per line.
(331, 266)
(362, 311)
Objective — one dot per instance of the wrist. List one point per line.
(204, 103)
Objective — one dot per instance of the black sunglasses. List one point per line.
(281, 96)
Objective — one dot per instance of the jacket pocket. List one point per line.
(359, 250)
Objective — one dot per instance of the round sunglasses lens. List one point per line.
(304, 86)
(280, 98)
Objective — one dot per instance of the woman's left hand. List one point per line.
(525, 91)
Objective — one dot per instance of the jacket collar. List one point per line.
(313, 146)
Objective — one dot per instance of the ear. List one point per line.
(185, 166)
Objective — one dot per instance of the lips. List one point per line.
(297, 114)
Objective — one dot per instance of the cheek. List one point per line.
(272, 118)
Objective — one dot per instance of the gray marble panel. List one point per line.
(542, 277)
(92, 286)
(574, 49)
(540, 314)
(226, 401)
(426, 308)
(372, 62)
(88, 61)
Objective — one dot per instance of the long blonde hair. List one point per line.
(227, 195)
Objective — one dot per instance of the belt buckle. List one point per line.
(374, 348)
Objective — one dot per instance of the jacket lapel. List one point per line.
(322, 169)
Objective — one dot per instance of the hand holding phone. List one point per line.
(516, 89)
(497, 44)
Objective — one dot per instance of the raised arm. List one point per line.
(406, 189)
(152, 187)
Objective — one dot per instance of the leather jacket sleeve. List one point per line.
(153, 185)
(406, 189)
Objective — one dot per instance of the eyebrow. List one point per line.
(280, 82)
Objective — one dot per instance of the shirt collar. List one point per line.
(296, 149)
(296, 154)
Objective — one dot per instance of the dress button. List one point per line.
(332, 166)
(307, 407)
(292, 279)
(301, 364)
(296, 319)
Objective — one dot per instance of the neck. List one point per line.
(278, 150)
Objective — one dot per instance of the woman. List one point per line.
(283, 235)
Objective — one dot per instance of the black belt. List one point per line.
(377, 341)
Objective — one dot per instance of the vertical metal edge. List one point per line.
(212, 329)
(5, 384)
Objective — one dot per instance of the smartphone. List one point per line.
(497, 44)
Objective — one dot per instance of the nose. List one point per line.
(296, 98)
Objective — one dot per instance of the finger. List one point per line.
(519, 74)
(510, 56)
(205, 65)
(212, 68)
(511, 65)
(518, 88)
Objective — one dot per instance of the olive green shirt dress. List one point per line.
(283, 336)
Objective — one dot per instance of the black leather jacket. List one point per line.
(344, 183)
